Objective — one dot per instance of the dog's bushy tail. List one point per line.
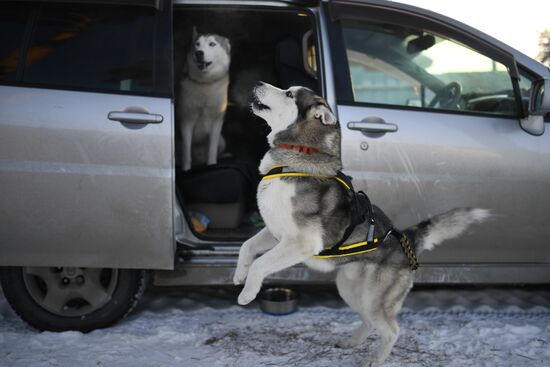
(446, 226)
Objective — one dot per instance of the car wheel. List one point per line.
(71, 298)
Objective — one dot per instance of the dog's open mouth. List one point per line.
(259, 105)
(203, 64)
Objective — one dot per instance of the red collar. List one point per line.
(300, 148)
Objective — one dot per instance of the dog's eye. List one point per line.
(289, 94)
(197, 44)
(211, 44)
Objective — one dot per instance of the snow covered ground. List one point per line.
(205, 328)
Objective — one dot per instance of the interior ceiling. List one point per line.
(244, 25)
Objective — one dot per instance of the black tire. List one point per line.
(21, 289)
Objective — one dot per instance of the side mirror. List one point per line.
(539, 106)
(539, 102)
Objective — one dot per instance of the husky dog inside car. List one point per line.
(203, 98)
(313, 216)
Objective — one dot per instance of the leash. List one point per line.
(361, 211)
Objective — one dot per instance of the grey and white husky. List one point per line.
(203, 98)
(305, 214)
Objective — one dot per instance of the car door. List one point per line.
(86, 135)
(430, 121)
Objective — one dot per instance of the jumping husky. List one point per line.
(308, 204)
(203, 98)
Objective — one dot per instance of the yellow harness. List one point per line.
(338, 250)
(361, 211)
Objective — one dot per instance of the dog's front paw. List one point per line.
(246, 297)
(239, 276)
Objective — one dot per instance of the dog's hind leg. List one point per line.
(383, 314)
(260, 242)
(350, 284)
(386, 325)
(288, 252)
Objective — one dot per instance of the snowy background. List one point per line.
(205, 327)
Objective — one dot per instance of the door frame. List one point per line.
(405, 15)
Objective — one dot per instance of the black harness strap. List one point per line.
(361, 207)
(361, 210)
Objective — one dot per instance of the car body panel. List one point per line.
(80, 189)
(438, 161)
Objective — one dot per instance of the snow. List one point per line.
(205, 327)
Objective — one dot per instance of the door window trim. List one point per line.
(339, 10)
(157, 4)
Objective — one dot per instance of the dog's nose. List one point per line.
(199, 54)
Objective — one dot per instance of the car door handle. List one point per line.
(378, 126)
(135, 117)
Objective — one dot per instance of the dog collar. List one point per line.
(299, 148)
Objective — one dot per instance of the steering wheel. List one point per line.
(447, 97)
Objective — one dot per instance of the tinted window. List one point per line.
(93, 47)
(13, 20)
(395, 65)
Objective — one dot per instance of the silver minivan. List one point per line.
(94, 203)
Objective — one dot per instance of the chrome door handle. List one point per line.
(373, 125)
(135, 117)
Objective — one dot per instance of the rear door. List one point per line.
(430, 121)
(86, 135)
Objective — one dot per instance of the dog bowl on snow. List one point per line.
(279, 301)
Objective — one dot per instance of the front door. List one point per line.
(430, 122)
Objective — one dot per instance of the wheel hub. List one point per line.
(70, 291)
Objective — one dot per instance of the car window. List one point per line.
(397, 65)
(13, 21)
(92, 47)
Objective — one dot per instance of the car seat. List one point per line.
(220, 192)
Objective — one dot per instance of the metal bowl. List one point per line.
(279, 301)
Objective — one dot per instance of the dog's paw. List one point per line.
(372, 363)
(348, 343)
(239, 277)
(237, 280)
(246, 297)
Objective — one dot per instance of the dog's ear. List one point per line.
(225, 43)
(195, 33)
(324, 114)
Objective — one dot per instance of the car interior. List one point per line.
(219, 201)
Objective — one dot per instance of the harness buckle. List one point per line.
(370, 233)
